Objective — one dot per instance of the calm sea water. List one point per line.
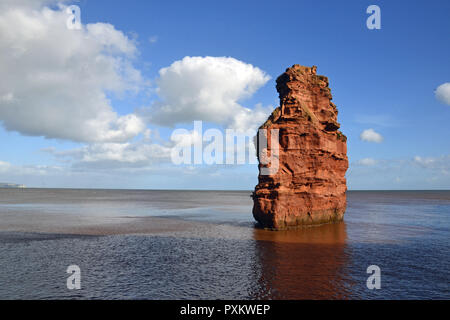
(204, 245)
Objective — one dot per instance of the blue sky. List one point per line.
(384, 80)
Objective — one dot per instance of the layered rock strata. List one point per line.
(309, 186)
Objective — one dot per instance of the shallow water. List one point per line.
(204, 245)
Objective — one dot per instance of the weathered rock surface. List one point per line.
(309, 186)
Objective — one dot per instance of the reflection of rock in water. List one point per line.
(308, 263)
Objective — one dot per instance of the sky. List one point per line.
(93, 103)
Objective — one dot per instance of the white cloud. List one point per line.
(115, 155)
(4, 166)
(208, 89)
(186, 139)
(425, 162)
(443, 93)
(367, 162)
(56, 81)
(34, 4)
(441, 164)
(370, 135)
(250, 118)
(7, 169)
(401, 174)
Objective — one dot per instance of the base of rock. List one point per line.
(301, 221)
(288, 216)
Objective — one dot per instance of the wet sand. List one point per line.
(88, 226)
(92, 226)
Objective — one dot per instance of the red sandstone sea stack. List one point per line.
(310, 186)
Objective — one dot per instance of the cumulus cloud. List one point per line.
(442, 93)
(28, 3)
(371, 135)
(56, 82)
(250, 118)
(186, 138)
(208, 89)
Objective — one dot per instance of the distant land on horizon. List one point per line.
(12, 185)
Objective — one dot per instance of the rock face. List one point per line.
(309, 186)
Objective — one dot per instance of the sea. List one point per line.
(157, 244)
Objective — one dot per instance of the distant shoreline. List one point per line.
(11, 186)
